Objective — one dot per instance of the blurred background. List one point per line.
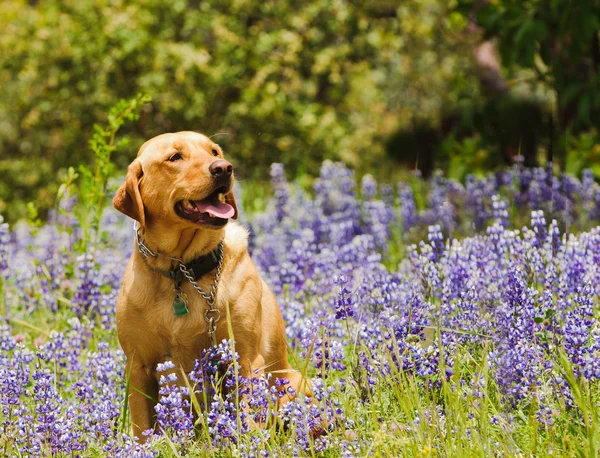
(389, 87)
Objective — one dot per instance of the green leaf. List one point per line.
(523, 31)
(569, 94)
(584, 109)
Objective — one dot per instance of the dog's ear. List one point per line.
(230, 199)
(128, 199)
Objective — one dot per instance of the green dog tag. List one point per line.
(180, 305)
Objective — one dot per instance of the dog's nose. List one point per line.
(220, 168)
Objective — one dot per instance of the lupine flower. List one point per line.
(408, 211)
(436, 240)
(343, 303)
(4, 248)
(282, 193)
(500, 212)
(87, 295)
(538, 223)
(173, 411)
(523, 293)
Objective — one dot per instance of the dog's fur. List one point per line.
(148, 331)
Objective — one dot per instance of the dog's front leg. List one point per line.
(143, 396)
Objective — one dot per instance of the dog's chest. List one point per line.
(182, 337)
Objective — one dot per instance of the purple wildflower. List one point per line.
(343, 303)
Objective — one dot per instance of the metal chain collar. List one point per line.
(142, 248)
(213, 314)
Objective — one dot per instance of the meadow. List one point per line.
(437, 314)
(434, 318)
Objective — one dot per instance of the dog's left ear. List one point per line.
(128, 199)
(230, 199)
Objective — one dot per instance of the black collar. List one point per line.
(197, 267)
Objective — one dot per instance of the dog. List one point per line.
(179, 191)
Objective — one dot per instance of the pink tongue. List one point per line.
(216, 208)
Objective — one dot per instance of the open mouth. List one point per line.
(210, 210)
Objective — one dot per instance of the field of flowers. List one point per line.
(434, 319)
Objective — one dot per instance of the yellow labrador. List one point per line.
(179, 191)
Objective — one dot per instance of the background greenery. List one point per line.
(380, 84)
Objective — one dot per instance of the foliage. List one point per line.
(583, 151)
(557, 39)
(294, 82)
(92, 183)
(434, 69)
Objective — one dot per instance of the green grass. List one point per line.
(402, 415)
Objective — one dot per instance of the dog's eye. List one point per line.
(175, 157)
(215, 152)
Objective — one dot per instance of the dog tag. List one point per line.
(180, 305)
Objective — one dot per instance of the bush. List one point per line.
(275, 81)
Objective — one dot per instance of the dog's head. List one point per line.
(180, 178)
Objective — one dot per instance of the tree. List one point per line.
(559, 41)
